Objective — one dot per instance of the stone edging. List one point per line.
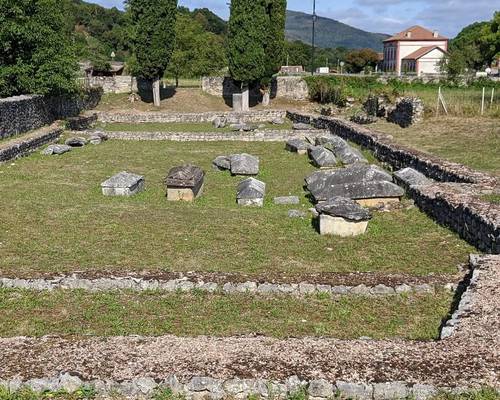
(24, 146)
(199, 387)
(185, 285)
(170, 117)
(256, 136)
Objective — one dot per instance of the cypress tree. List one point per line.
(247, 33)
(153, 32)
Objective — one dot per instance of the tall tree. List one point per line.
(36, 54)
(153, 32)
(275, 42)
(247, 33)
(359, 60)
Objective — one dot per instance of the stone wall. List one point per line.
(456, 203)
(113, 84)
(19, 148)
(287, 87)
(169, 117)
(21, 114)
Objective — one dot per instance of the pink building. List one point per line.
(415, 50)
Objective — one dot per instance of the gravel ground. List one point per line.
(468, 358)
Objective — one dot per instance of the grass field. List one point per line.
(183, 127)
(474, 142)
(25, 313)
(58, 221)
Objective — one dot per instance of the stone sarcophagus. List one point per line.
(185, 183)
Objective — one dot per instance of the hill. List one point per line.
(330, 33)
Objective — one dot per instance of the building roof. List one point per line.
(416, 33)
(422, 52)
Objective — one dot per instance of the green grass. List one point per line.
(492, 198)
(181, 127)
(29, 313)
(57, 220)
(474, 142)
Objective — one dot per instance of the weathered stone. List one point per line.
(70, 383)
(286, 200)
(145, 385)
(123, 184)
(95, 140)
(185, 183)
(390, 391)
(354, 391)
(293, 384)
(319, 182)
(408, 177)
(360, 290)
(338, 226)
(222, 163)
(244, 127)
(56, 149)
(349, 155)
(404, 288)
(42, 385)
(219, 123)
(382, 290)
(76, 142)
(244, 164)
(82, 122)
(344, 208)
(378, 190)
(408, 111)
(363, 119)
(423, 392)
(201, 384)
(302, 127)
(277, 121)
(251, 192)
(322, 157)
(320, 388)
(238, 102)
(296, 214)
(298, 146)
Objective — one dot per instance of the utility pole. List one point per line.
(313, 37)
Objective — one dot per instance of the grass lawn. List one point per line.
(474, 142)
(58, 221)
(25, 313)
(182, 127)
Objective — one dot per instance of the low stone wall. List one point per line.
(113, 84)
(169, 117)
(286, 87)
(21, 114)
(256, 136)
(456, 206)
(33, 142)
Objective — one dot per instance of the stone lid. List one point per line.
(345, 208)
(184, 176)
(411, 177)
(122, 180)
(361, 190)
(251, 188)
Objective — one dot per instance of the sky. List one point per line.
(383, 16)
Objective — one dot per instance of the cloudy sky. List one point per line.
(385, 16)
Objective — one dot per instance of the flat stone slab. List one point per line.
(361, 190)
(298, 146)
(56, 149)
(345, 208)
(222, 163)
(123, 184)
(410, 177)
(286, 200)
(251, 192)
(303, 127)
(244, 164)
(319, 182)
(343, 151)
(76, 142)
(322, 157)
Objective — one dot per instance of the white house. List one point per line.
(415, 50)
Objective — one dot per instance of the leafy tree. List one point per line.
(360, 59)
(36, 54)
(299, 53)
(247, 33)
(197, 52)
(153, 32)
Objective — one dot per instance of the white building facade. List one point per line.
(416, 50)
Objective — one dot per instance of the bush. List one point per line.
(324, 90)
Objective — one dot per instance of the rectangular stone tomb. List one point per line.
(251, 192)
(298, 146)
(123, 184)
(244, 164)
(322, 157)
(185, 183)
(341, 216)
(368, 194)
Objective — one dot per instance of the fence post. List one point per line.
(492, 97)
(438, 100)
(482, 101)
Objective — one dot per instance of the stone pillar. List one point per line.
(237, 102)
(245, 101)
(266, 98)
